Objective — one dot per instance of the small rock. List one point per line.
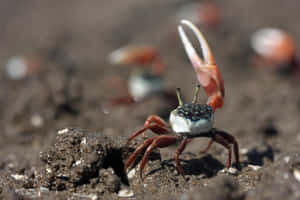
(254, 167)
(63, 131)
(19, 177)
(131, 173)
(232, 171)
(244, 151)
(44, 189)
(17, 67)
(286, 159)
(37, 121)
(125, 193)
(297, 174)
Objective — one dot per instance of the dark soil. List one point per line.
(43, 157)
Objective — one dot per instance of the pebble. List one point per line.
(44, 189)
(287, 159)
(244, 151)
(297, 174)
(131, 173)
(19, 177)
(254, 167)
(83, 141)
(125, 193)
(48, 170)
(16, 68)
(232, 171)
(78, 162)
(63, 131)
(37, 120)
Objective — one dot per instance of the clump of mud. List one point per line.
(81, 165)
(81, 159)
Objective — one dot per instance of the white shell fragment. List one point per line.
(83, 141)
(48, 170)
(78, 162)
(37, 120)
(16, 67)
(232, 171)
(286, 159)
(19, 177)
(244, 151)
(63, 131)
(297, 174)
(125, 193)
(131, 173)
(254, 167)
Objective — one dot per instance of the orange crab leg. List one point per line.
(207, 71)
(138, 55)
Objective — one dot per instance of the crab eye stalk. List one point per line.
(179, 96)
(197, 89)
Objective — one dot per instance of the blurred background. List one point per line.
(55, 70)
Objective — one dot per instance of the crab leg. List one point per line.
(155, 124)
(207, 71)
(227, 141)
(138, 55)
(160, 142)
(137, 152)
(208, 147)
(179, 150)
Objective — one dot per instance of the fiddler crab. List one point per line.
(276, 49)
(145, 79)
(189, 120)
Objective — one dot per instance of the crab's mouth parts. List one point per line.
(181, 124)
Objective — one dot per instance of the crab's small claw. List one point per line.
(138, 55)
(207, 71)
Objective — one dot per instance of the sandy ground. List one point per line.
(71, 90)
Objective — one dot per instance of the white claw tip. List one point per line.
(207, 55)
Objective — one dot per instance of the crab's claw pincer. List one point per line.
(138, 56)
(207, 71)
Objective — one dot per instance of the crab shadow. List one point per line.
(257, 156)
(206, 165)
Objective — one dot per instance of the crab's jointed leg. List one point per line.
(208, 147)
(151, 143)
(137, 152)
(155, 124)
(179, 150)
(228, 141)
(207, 71)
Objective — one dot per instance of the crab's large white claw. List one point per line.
(207, 71)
